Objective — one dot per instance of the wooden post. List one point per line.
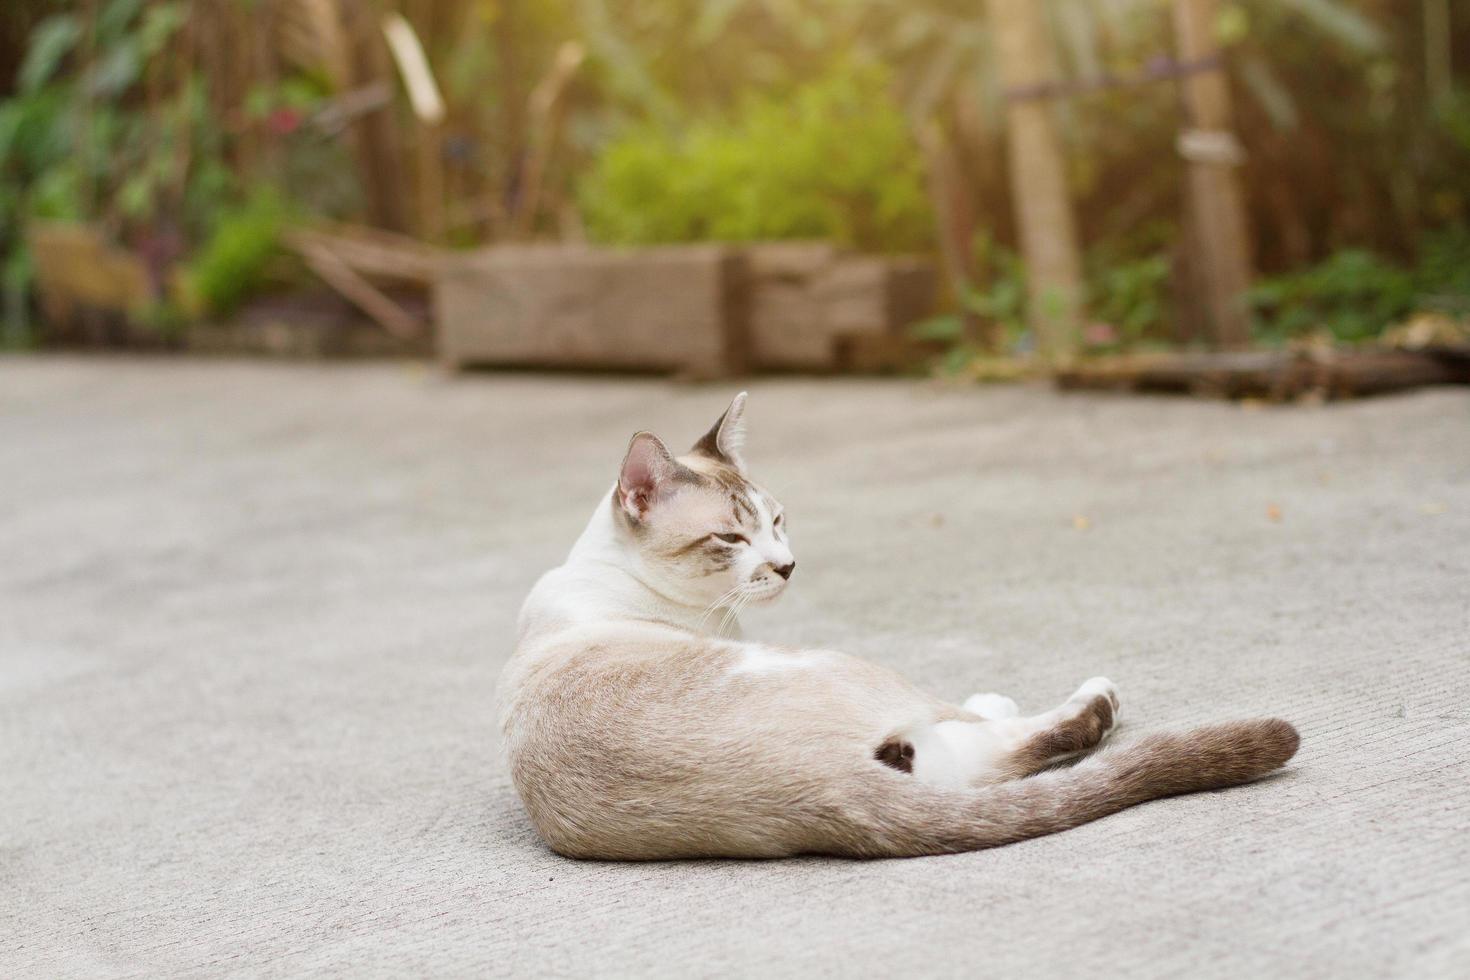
(1038, 178)
(1220, 237)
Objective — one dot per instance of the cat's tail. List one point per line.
(902, 817)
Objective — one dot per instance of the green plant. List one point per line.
(1442, 273)
(1355, 294)
(1352, 295)
(1129, 300)
(832, 159)
(234, 260)
(97, 130)
(997, 300)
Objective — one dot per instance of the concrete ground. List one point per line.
(251, 617)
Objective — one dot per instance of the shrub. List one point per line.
(234, 259)
(1355, 294)
(832, 160)
(1127, 300)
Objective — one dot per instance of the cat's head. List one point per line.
(703, 533)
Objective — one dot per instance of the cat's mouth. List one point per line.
(766, 590)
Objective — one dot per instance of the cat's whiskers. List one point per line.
(732, 612)
(709, 610)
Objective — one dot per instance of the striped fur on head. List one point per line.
(702, 531)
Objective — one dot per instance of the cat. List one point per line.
(638, 725)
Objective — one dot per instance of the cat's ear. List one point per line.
(649, 472)
(725, 441)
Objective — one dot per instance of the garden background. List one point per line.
(194, 136)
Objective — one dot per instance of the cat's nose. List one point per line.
(785, 570)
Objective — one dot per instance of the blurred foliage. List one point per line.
(1352, 295)
(1129, 301)
(999, 305)
(233, 261)
(1355, 294)
(93, 145)
(832, 159)
(737, 119)
(1349, 148)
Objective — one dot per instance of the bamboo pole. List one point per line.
(1221, 240)
(1038, 178)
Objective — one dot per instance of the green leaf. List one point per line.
(135, 197)
(159, 25)
(116, 18)
(1343, 23)
(119, 68)
(51, 41)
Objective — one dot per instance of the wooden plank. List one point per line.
(680, 308)
(805, 295)
(795, 261)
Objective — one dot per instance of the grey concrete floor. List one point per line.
(251, 617)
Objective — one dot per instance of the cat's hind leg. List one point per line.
(1078, 726)
(966, 751)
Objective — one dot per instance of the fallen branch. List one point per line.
(1274, 375)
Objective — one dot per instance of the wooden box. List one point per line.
(678, 308)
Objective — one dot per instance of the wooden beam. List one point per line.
(1039, 178)
(372, 252)
(361, 293)
(1220, 238)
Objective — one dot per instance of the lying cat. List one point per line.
(638, 725)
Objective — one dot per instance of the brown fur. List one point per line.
(1070, 737)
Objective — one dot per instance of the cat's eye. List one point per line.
(731, 538)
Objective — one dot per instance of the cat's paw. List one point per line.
(992, 707)
(1088, 696)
